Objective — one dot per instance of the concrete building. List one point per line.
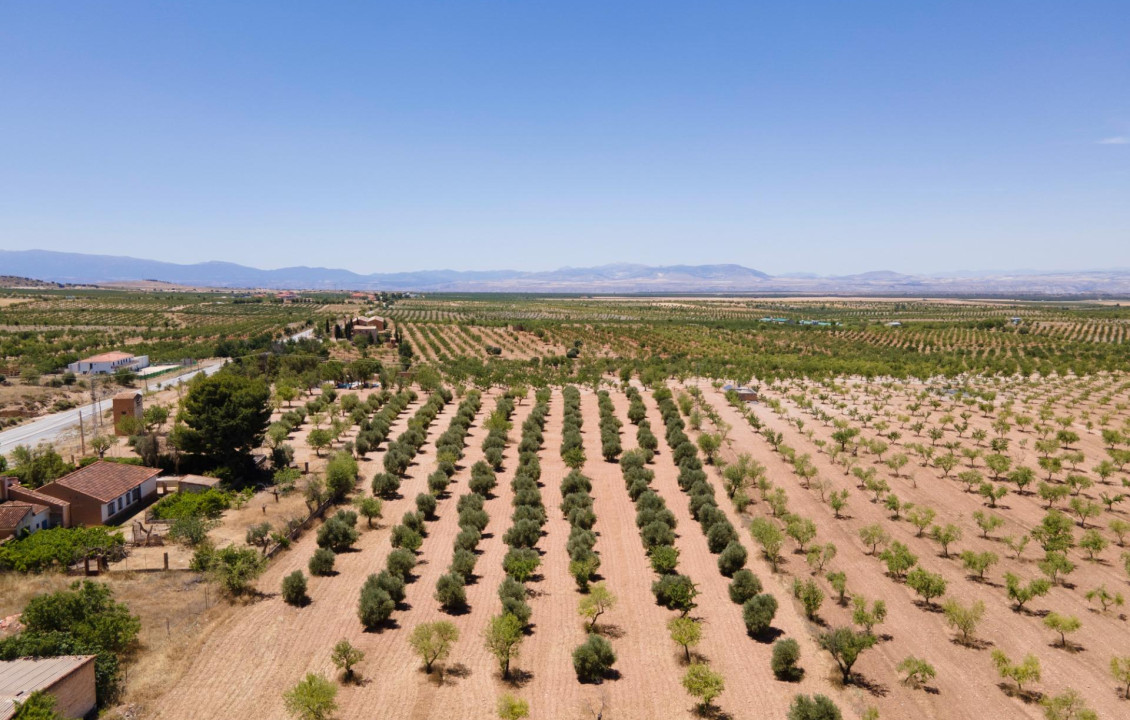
(109, 363)
(126, 404)
(104, 492)
(370, 326)
(69, 678)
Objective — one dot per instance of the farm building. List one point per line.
(108, 363)
(15, 517)
(69, 678)
(369, 326)
(58, 511)
(186, 483)
(126, 405)
(745, 394)
(104, 492)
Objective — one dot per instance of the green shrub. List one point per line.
(593, 659)
(322, 562)
(758, 613)
(786, 655)
(294, 589)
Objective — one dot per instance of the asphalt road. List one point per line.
(49, 427)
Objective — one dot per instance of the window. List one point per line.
(136, 494)
(110, 508)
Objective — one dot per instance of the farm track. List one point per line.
(649, 663)
(553, 690)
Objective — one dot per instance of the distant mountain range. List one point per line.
(78, 268)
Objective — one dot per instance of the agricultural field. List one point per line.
(923, 519)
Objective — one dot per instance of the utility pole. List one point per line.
(81, 433)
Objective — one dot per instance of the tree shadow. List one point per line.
(766, 636)
(389, 624)
(609, 630)
(875, 688)
(711, 712)
(519, 678)
(1026, 696)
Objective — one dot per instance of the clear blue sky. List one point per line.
(830, 137)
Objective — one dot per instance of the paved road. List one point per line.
(49, 427)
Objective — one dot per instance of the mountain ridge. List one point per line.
(82, 268)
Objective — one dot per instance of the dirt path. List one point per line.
(650, 665)
(553, 690)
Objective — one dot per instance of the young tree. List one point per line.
(1105, 598)
(988, 522)
(311, 699)
(810, 595)
(898, 559)
(703, 683)
(1021, 594)
(868, 617)
(1026, 671)
(433, 641)
(945, 536)
(369, 508)
(978, 562)
(769, 536)
(512, 708)
(1062, 624)
(918, 671)
(503, 637)
(845, 646)
(686, 632)
(921, 517)
(1120, 669)
(344, 656)
(598, 601)
(1068, 705)
(927, 584)
(964, 618)
(873, 536)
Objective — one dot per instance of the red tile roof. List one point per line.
(105, 481)
(12, 514)
(108, 357)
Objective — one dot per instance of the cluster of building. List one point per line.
(101, 493)
(787, 321)
(370, 326)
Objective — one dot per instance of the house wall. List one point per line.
(89, 511)
(74, 694)
(84, 510)
(126, 407)
(128, 503)
(35, 521)
(60, 514)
